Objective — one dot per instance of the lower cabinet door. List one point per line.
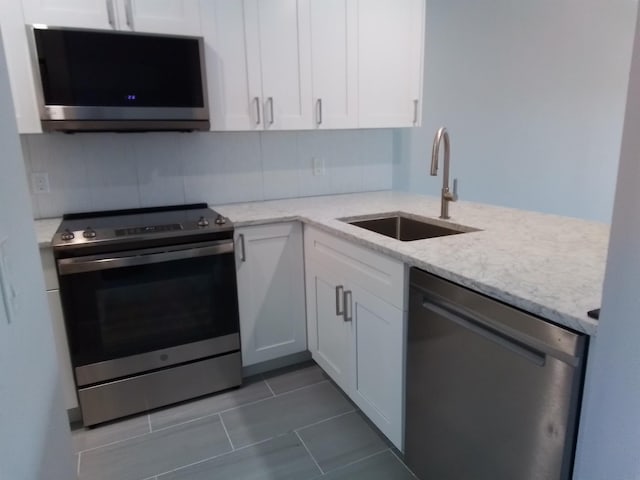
(271, 299)
(379, 339)
(62, 348)
(330, 336)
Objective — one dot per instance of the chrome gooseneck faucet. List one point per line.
(447, 196)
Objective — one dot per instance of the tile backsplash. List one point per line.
(110, 171)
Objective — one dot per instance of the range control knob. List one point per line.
(220, 220)
(203, 222)
(67, 235)
(89, 233)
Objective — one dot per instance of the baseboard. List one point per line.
(276, 363)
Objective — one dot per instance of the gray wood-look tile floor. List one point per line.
(292, 424)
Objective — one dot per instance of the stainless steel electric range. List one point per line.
(150, 304)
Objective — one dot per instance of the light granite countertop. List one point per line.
(547, 265)
(45, 229)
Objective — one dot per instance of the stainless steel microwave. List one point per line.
(91, 80)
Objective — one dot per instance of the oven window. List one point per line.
(126, 311)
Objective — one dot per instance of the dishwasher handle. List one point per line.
(488, 332)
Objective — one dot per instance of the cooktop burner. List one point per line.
(139, 225)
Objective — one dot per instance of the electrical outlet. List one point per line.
(317, 164)
(40, 182)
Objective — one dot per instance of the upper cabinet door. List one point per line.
(391, 34)
(100, 14)
(284, 47)
(334, 43)
(235, 100)
(18, 55)
(173, 17)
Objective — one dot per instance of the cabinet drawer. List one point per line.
(379, 274)
(49, 268)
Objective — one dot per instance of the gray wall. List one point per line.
(34, 432)
(609, 441)
(104, 171)
(533, 94)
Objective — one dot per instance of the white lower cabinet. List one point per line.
(59, 329)
(356, 335)
(270, 275)
(378, 356)
(62, 349)
(330, 336)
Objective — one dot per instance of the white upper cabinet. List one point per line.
(334, 54)
(232, 104)
(71, 13)
(14, 38)
(258, 64)
(390, 58)
(179, 17)
(283, 27)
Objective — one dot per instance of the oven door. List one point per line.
(148, 309)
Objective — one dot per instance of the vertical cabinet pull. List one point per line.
(348, 307)
(110, 14)
(243, 252)
(257, 102)
(415, 112)
(128, 10)
(271, 116)
(339, 292)
(319, 111)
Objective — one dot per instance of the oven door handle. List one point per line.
(69, 266)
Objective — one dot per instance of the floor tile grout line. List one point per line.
(309, 452)
(233, 448)
(402, 462)
(237, 407)
(114, 442)
(358, 461)
(202, 417)
(271, 398)
(324, 420)
(239, 449)
(268, 386)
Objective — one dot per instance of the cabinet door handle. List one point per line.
(348, 307)
(319, 111)
(339, 292)
(415, 112)
(128, 10)
(110, 14)
(271, 116)
(243, 252)
(257, 101)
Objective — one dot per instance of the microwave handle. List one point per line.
(70, 266)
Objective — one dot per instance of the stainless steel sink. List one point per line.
(404, 228)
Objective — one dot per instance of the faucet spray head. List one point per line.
(435, 152)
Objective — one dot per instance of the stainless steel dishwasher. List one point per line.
(492, 392)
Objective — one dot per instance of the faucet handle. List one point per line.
(454, 197)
